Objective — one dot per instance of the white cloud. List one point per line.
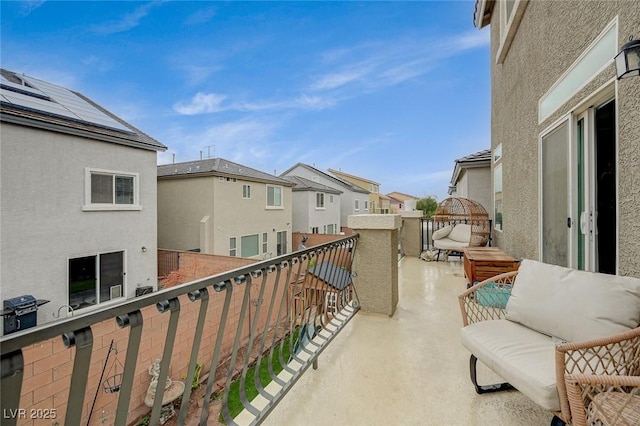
(338, 79)
(126, 22)
(201, 103)
(201, 16)
(371, 66)
(28, 6)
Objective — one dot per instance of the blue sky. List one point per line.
(390, 91)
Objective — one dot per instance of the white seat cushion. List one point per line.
(449, 244)
(573, 305)
(523, 357)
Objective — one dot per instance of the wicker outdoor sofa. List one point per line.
(569, 340)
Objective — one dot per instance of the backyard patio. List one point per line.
(410, 369)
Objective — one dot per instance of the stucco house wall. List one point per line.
(204, 212)
(475, 184)
(43, 224)
(549, 39)
(347, 198)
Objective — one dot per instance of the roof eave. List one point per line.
(29, 122)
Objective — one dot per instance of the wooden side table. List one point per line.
(481, 263)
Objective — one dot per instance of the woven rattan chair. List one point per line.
(604, 399)
(455, 210)
(598, 381)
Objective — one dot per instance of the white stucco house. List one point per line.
(216, 206)
(316, 207)
(353, 200)
(78, 200)
(471, 179)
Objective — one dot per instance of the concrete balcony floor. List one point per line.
(408, 369)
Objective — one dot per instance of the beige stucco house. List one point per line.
(353, 199)
(216, 206)
(565, 132)
(375, 204)
(316, 207)
(471, 179)
(78, 200)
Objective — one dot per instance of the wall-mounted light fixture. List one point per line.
(628, 59)
(144, 249)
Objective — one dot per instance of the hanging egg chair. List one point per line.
(454, 210)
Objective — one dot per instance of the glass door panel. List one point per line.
(555, 196)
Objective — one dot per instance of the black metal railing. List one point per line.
(295, 303)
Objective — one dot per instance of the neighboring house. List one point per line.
(384, 203)
(78, 198)
(372, 187)
(399, 200)
(472, 179)
(316, 207)
(353, 200)
(216, 206)
(396, 204)
(565, 132)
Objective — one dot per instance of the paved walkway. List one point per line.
(409, 369)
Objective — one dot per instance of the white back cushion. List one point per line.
(461, 232)
(573, 305)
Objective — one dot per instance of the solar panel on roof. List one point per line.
(47, 98)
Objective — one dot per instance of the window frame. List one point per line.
(233, 248)
(265, 242)
(509, 26)
(356, 205)
(113, 206)
(498, 201)
(275, 206)
(246, 191)
(243, 245)
(320, 201)
(97, 273)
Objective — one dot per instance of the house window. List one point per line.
(246, 191)
(319, 200)
(232, 246)
(96, 279)
(331, 199)
(315, 179)
(274, 196)
(314, 230)
(356, 206)
(281, 245)
(366, 205)
(497, 196)
(249, 245)
(108, 190)
(329, 229)
(265, 242)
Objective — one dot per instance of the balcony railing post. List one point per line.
(376, 261)
(411, 233)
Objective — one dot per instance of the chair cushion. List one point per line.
(521, 356)
(442, 232)
(461, 233)
(448, 244)
(573, 305)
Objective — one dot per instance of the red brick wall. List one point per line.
(313, 239)
(48, 364)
